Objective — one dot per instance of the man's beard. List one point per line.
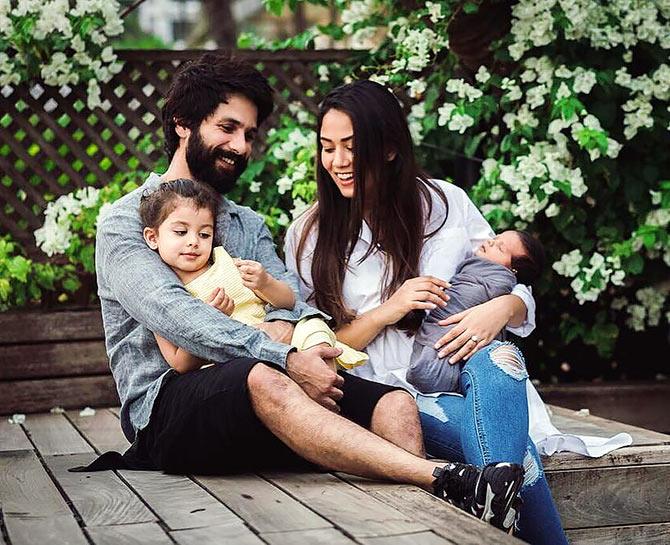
(203, 162)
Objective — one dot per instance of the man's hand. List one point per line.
(254, 276)
(315, 376)
(220, 301)
(278, 330)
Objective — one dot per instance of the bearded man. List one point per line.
(262, 403)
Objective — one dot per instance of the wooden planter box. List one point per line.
(50, 359)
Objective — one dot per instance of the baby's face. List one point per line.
(502, 248)
(184, 239)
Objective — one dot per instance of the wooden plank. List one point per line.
(641, 403)
(35, 326)
(566, 420)
(627, 456)
(444, 519)
(12, 437)
(425, 538)
(102, 430)
(41, 395)
(178, 501)
(101, 498)
(357, 513)
(262, 505)
(612, 496)
(33, 509)
(322, 536)
(148, 533)
(53, 360)
(54, 434)
(649, 534)
(234, 533)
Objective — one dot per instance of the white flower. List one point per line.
(535, 95)
(569, 264)
(323, 72)
(435, 11)
(254, 187)
(284, 184)
(93, 98)
(552, 210)
(444, 113)
(482, 75)
(513, 90)
(489, 166)
(382, 79)
(584, 82)
(283, 219)
(460, 122)
(416, 88)
(563, 91)
(563, 72)
(463, 89)
(299, 206)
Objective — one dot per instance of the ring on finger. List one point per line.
(475, 339)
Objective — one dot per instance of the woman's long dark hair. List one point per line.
(388, 179)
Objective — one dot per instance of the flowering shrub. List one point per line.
(567, 119)
(60, 44)
(70, 222)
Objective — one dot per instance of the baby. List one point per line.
(179, 223)
(510, 258)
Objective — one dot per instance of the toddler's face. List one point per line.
(184, 239)
(502, 248)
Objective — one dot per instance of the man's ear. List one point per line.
(151, 237)
(181, 130)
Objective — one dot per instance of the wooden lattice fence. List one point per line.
(52, 144)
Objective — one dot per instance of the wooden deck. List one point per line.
(620, 498)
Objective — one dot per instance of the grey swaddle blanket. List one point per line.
(476, 281)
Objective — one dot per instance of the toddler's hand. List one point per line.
(220, 301)
(254, 275)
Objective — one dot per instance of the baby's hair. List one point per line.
(156, 206)
(528, 268)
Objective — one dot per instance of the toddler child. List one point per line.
(493, 270)
(179, 223)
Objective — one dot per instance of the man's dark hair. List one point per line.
(201, 85)
(529, 267)
(159, 204)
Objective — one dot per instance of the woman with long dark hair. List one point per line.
(379, 245)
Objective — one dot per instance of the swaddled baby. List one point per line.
(495, 268)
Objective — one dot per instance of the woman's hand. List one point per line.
(220, 301)
(422, 292)
(254, 276)
(476, 327)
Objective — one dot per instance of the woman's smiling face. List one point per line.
(337, 145)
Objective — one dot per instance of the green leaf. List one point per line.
(470, 8)
(19, 267)
(274, 6)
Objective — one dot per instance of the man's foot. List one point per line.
(490, 494)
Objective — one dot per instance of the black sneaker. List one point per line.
(490, 494)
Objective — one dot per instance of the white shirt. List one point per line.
(463, 232)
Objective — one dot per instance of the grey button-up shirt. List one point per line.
(140, 294)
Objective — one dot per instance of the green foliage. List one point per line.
(567, 122)
(23, 281)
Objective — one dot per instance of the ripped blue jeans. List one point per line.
(489, 423)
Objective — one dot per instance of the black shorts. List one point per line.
(202, 422)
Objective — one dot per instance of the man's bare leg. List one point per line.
(396, 419)
(322, 437)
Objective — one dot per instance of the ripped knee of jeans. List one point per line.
(510, 359)
(532, 470)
